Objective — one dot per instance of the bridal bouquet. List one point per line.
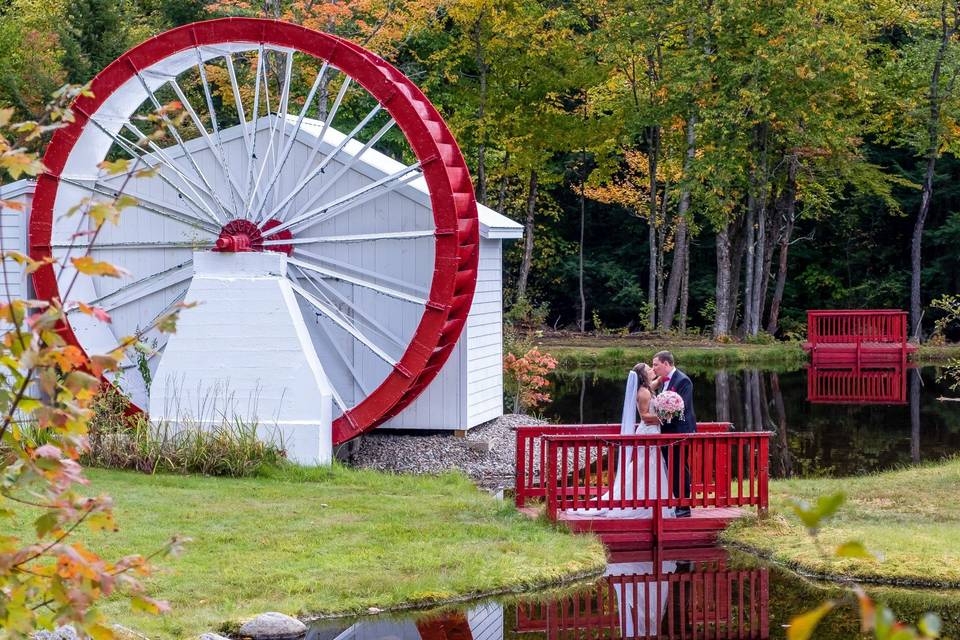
(669, 406)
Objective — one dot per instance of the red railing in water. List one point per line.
(712, 601)
(857, 386)
(531, 454)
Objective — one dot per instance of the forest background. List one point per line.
(704, 166)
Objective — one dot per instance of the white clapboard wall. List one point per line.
(13, 235)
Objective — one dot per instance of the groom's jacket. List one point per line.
(682, 385)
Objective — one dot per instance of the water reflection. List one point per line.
(646, 597)
(812, 438)
(857, 385)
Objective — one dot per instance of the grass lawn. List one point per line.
(779, 354)
(325, 541)
(909, 517)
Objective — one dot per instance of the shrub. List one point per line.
(525, 314)
(525, 378)
(228, 448)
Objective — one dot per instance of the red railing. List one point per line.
(727, 470)
(885, 325)
(709, 602)
(530, 452)
(857, 386)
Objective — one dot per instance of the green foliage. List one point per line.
(47, 576)
(526, 315)
(94, 35)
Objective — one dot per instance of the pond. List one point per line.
(826, 422)
(700, 593)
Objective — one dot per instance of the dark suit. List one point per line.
(682, 385)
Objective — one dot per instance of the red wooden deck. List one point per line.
(857, 338)
(571, 469)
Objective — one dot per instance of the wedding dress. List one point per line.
(642, 480)
(640, 605)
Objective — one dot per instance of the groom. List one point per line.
(677, 381)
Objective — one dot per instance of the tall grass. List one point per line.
(229, 447)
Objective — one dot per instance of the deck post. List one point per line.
(763, 476)
(519, 494)
(550, 478)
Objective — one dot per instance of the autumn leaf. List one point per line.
(96, 312)
(87, 265)
(18, 163)
(853, 549)
(113, 167)
(12, 204)
(5, 115)
(802, 626)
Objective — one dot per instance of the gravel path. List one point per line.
(486, 454)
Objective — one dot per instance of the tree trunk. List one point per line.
(768, 246)
(721, 322)
(477, 37)
(760, 251)
(528, 237)
(914, 414)
(685, 286)
(736, 266)
(933, 146)
(582, 324)
(722, 388)
(788, 208)
(677, 270)
(504, 182)
(653, 155)
(661, 243)
(783, 442)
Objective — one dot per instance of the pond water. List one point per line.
(832, 423)
(702, 593)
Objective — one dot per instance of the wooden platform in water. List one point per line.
(702, 527)
(862, 353)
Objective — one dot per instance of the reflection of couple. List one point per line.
(640, 603)
(639, 468)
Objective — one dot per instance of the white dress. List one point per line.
(642, 481)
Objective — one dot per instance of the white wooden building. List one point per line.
(469, 388)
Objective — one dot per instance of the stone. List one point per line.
(210, 635)
(273, 626)
(60, 633)
(374, 610)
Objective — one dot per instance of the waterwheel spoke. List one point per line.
(357, 379)
(370, 323)
(347, 166)
(353, 279)
(172, 129)
(205, 135)
(330, 312)
(285, 154)
(349, 201)
(358, 237)
(110, 246)
(144, 287)
(255, 193)
(238, 101)
(315, 148)
(97, 186)
(326, 160)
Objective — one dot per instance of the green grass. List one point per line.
(938, 352)
(714, 355)
(325, 542)
(908, 517)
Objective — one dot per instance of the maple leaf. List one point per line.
(88, 266)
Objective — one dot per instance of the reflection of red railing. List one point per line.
(858, 336)
(711, 601)
(857, 386)
(531, 453)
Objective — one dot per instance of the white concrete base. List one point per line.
(244, 353)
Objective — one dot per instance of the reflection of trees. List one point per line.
(915, 415)
(781, 443)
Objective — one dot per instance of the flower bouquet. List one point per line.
(669, 406)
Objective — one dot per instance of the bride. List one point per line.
(640, 396)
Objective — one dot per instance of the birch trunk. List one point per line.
(528, 237)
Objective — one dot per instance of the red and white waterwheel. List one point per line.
(277, 151)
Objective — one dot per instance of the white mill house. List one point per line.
(341, 310)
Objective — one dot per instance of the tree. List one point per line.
(95, 34)
(921, 87)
